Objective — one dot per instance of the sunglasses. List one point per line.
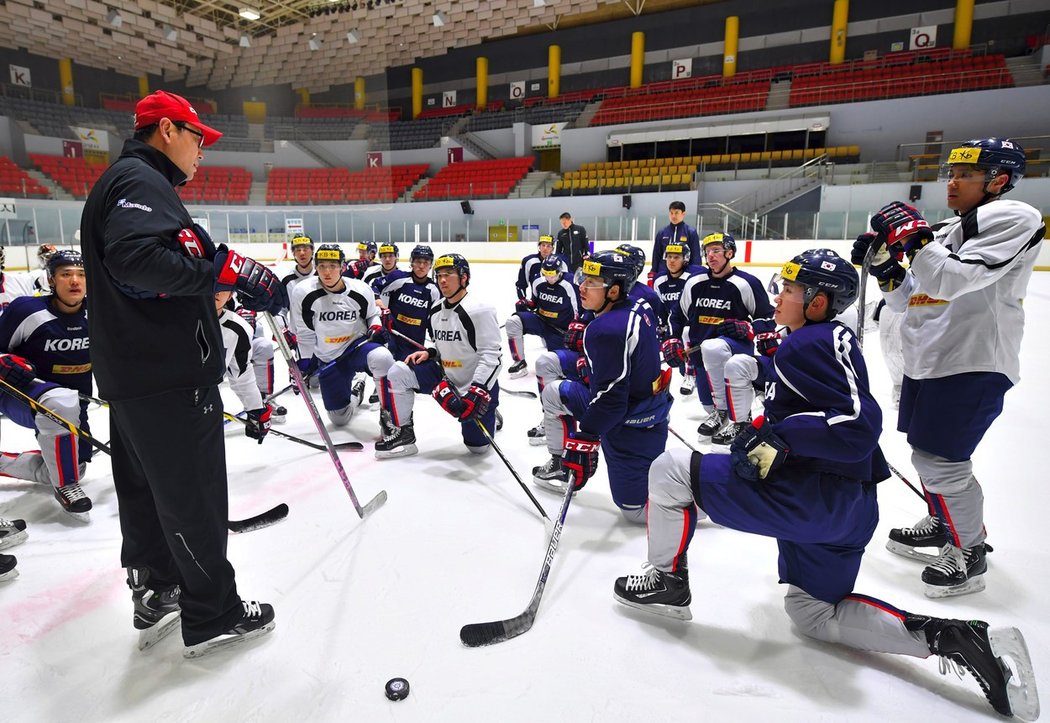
(181, 125)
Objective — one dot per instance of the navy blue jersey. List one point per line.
(707, 302)
(818, 401)
(556, 304)
(381, 281)
(410, 302)
(55, 343)
(530, 271)
(653, 305)
(681, 233)
(623, 354)
(669, 289)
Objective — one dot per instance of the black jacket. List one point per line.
(573, 244)
(153, 325)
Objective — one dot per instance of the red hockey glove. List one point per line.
(196, 242)
(259, 288)
(673, 353)
(903, 227)
(574, 336)
(258, 423)
(885, 262)
(17, 372)
(476, 401)
(767, 338)
(248, 315)
(524, 305)
(581, 456)
(736, 329)
(446, 396)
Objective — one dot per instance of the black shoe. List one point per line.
(956, 572)
(927, 532)
(12, 532)
(157, 611)
(714, 422)
(537, 435)
(402, 443)
(74, 501)
(7, 567)
(256, 620)
(655, 591)
(373, 398)
(551, 475)
(729, 431)
(971, 645)
(518, 369)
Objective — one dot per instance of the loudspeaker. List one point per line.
(915, 194)
(465, 205)
(627, 201)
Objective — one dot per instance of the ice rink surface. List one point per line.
(361, 601)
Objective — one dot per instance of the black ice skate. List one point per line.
(957, 571)
(518, 369)
(1008, 684)
(537, 435)
(401, 443)
(7, 567)
(688, 385)
(12, 532)
(728, 432)
(657, 592)
(499, 421)
(714, 422)
(279, 415)
(551, 475)
(157, 612)
(74, 501)
(373, 398)
(256, 620)
(927, 532)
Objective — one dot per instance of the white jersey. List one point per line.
(373, 272)
(237, 343)
(963, 293)
(291, 275)
(467, 338)
(14, 285)
(326, 322)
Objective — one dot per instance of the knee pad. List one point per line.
(551, 400)
(401, 377)
(809, 614)
(379, 361)
(715, 352)
(634, 515)
(63, 402)
(548, 366)
(741, 369)
(484, 449)
(669, 483)
(513, 325)
(940, 475)
(341, 417)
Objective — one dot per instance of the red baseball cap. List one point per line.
(162, 104)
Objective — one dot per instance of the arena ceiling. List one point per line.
(310, 44)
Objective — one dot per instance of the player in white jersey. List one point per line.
(303, 266)
(237, 344)
(963, 320)
(460, 371)
(13, 285)
(337, 324)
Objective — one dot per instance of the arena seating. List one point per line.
(536, 115)
(16, 182)
(475, 179)
(75, 175)
(341, 185)
(710, 100)
(218, 184)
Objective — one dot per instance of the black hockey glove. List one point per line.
(259, 288)
(767, 338)
(757, 451)
(738, 329)
(17, 372)
(903, 227)
(258, 423)
(885, 265)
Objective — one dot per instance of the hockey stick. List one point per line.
(356, 446)
(518, 393)
(485, 431)
(475, 635)
(54, 416)
(865, 268)
(304, 393)
(270, 517)
(904, 479)
(681, 439)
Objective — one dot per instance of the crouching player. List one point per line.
(460, 371)
(806, 475)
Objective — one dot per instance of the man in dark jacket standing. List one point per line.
(157, 355)
(676, 232)
(573, 244)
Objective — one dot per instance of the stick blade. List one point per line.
(270, 517)
(476, 635)
(354, 446)
(374, 504)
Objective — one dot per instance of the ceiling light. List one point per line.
(440, 19)
(246, 42)
(538, 3)
(114, 18)
(249, 13)
(352, 37)
(170, 33)
(315, 42)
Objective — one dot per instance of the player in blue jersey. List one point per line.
(642, 292)
(677, 232)
(388, 271)
(625, 407)
(44, 340)
(553, 303)
(708, 300)
(409, 300)
(806, 475)
(530, 266)
(669, 285)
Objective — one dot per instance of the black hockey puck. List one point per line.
(397, 689)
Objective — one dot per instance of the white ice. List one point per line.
(361, 601)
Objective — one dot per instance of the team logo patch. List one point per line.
(710, 320)
(70, 368)
(451, 363)
(408, 320)
(337, 339)
(548, 314)
(827, 265)
(924, 300)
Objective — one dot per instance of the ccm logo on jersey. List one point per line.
(66, 344)
(337, 316)
(447, 335)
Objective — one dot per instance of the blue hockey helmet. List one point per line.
(63, 257)
(635, 255)
(991, 155)
(824, 270)
(552, 267)
(678, 248)
(727, 241)
(369, 246)
(302, 240)
(388, 249)
(613, 267)
(422, 252)
(453, 261)
(329, 252)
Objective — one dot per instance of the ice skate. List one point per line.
(279, 415)
(927, 532)
(518, 369)
(12, 532)
(499, 421)
(957, 571)
(728, 432)
(551, 475)
(256, 620)
(157, 612)
(657, 592)
(74, 501)
(537, 435)
(401, 443)
(997, 658)
(8, 570)
(688, 385)
(714, 422)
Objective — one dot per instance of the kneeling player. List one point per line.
(805, 475)
(460, 372)
(47, 336)
(553, 304)
(237, 343)
(337, 324)
(626, 405)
